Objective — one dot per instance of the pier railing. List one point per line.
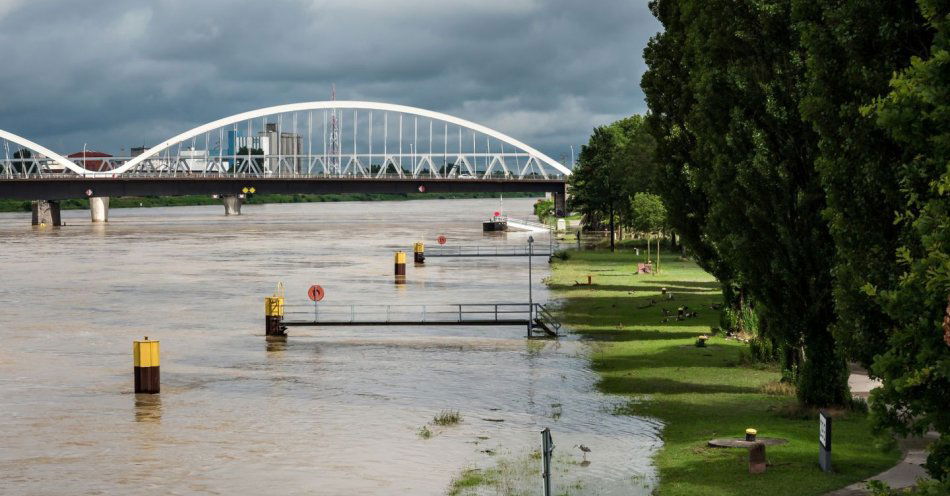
(490, 251)
(476, 313)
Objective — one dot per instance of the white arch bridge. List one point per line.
(353, 139)
(313, 147)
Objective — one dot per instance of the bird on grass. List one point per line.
(584, 449)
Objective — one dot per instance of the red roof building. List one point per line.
(84, 159)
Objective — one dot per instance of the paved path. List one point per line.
(909, 469)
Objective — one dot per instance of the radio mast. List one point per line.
(334, 159)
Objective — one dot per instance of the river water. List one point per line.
(331, 411)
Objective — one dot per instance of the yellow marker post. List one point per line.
(419, 253)
(145, 359)
(400, 267)
(274, 314)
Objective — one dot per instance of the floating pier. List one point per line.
(537, 319)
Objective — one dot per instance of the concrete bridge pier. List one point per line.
(560, 202)
(46, 213)
(232, 204)
(99, 208)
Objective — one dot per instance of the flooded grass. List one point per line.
(447, 418)
(424, 432)
(521, 475)
(470, 480)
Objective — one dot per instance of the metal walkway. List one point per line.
(527, 224)
(536, 318)
(491, 251)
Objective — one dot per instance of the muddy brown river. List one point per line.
(334, 410)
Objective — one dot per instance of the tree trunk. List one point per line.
(612, 247)
(620, 226)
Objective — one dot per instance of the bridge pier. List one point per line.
(560, 202)
(46, 213)
(99, 208)
(232, 204)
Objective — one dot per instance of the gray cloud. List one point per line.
(119, 73)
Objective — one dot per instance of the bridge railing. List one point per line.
(425, 313)
(254, 175)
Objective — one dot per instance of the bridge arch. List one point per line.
(61, 160)
(191, 134)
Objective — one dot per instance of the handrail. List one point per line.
(507, 249)
(417, 312)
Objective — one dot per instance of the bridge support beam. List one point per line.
(46, 213)
(99, 208)
(232, 204)
(560, 202)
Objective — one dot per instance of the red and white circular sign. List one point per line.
(441, 239)
(316, 292)
(88, 192)
(422, 188)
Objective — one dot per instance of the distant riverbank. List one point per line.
(181, 201)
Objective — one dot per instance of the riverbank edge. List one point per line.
(260, 199)
(718, 399)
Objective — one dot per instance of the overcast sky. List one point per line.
(119, 73)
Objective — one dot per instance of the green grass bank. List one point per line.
(180, 201)
(701, 393)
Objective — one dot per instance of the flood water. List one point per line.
(333, 410)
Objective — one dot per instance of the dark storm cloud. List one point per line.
(120, 73)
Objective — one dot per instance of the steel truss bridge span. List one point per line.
(61, 187)
(323, 138)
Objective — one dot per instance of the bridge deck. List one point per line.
(64, 186)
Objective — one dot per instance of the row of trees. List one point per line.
(612, 183)
(801, 149)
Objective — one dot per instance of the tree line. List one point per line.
(801, 152)
(612, 184)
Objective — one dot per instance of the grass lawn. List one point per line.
(701, 393)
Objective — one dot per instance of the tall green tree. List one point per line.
(743, 65)
(916, 366)
(678, 164)
(853, 49)
(597, 183)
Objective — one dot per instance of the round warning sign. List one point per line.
(315, 293)
(441, 239)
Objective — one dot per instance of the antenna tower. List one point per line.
(334, 162)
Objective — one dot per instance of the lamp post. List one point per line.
(530, 284)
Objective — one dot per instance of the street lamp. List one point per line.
(530, 296)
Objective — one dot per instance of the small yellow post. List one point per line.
(145, 361)
(400, 268)
(274, 313)
(419, 253)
